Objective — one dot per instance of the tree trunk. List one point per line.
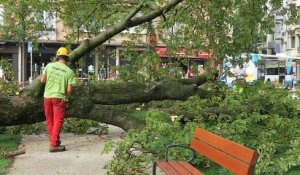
(109, 102)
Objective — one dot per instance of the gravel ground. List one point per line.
(83, 155)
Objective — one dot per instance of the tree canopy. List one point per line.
(22, 20)
(224, 28)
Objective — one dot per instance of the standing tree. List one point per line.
(23, 22)
(221, 28)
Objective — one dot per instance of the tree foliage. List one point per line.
(219, 27)
(7, 86)
(261, 117)
(225, 28)
(23, 20)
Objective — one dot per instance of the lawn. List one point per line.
(7, 142)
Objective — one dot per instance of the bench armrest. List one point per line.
(182, 146)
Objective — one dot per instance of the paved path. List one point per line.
(83, 155)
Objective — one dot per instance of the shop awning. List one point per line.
(163, 53)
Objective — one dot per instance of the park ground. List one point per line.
(83, 155)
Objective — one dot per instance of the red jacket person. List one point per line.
(59, 79)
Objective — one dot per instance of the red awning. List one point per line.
(162, 52)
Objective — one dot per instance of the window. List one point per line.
(293, 41)
(49, 21)
(272, 68)
(261, 70)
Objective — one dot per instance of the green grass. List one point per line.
(7, 142)
(3, 164)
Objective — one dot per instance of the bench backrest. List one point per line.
(232, 156)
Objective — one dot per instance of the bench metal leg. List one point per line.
(154, 169)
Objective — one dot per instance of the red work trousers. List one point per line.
(55, 110)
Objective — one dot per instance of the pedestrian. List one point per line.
(102, 73)
(190, 72)
(59, 79)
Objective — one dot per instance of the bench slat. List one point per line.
(192, 169)
(221, 158)
(167, 168)
(236, 150)
(182, 168)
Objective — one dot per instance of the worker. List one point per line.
(59, 79)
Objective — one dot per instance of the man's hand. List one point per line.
(69, 89)
(43, 78)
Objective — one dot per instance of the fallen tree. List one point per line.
(109, 103)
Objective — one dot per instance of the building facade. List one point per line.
(54, 36)
(283, 46)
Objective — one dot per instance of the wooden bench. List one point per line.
(230, 155)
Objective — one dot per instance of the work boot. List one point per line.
(58, 142)
(58, 148)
